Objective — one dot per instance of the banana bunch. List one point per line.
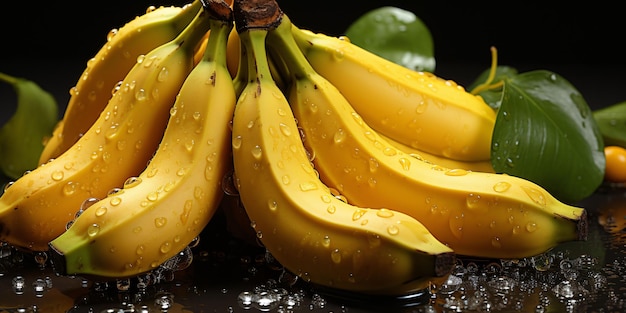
(156, 214)
(344, 191)
(37, 206)
(475, 213)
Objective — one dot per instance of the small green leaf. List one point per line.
(612, 123)
(545, 132)
(22, 136)
(395, 34)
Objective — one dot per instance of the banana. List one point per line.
(36, 207)
(475, 213)
(158, 213)
(295, 216)
(109, 66)
(418, 109)
(478, 166)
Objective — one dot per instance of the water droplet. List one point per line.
(165, 247)
(140, 95)
(163, 74)
(339, 136)
(308, 186)
(531, 227)
(132, 182)
(236, 142)
(456, 172)
(501, 186)
(326, 241)
(495, 242)
(335, 256)
(152, 196)
(357, 214)
(405, 163)
(331, 209)
(272, 205)
(473, 202)
(115, 201)
(535, 195)
(393, 230)
(384, 213)
(70, 188)
(286, 179)
(285, 129)
(389, 151)
(257, 152)
(87, 203)
(160, 222)
(57, 175)
(189, 145)
(100, 211)
(93, 230)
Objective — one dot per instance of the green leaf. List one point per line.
(612, 123)
(492, 96)
(545, 132)
(22, 136)
(395, 34)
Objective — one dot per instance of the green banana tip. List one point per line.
(57, 259)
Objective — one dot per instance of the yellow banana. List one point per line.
(155, 215)
(417, 109)
(37, 206)
(474, 213)
(310, 232)
(109, 66)
(477, 166)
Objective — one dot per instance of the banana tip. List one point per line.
(582, 227)
(57, 259)
(444, 263)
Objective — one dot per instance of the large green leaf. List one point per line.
(545, 132)
(395, 34)
(612, 123)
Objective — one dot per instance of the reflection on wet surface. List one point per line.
(225, 274)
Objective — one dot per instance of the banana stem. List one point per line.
(220, 17)
(254, 17)
(296, 64)
(250, 14)
(218, 9)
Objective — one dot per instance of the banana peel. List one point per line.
(22, 137)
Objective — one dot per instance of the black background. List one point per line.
(50, 42)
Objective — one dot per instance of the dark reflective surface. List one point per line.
(229, 274)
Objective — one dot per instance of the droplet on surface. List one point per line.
(501, 186)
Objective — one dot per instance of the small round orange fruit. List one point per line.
(615, 170)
